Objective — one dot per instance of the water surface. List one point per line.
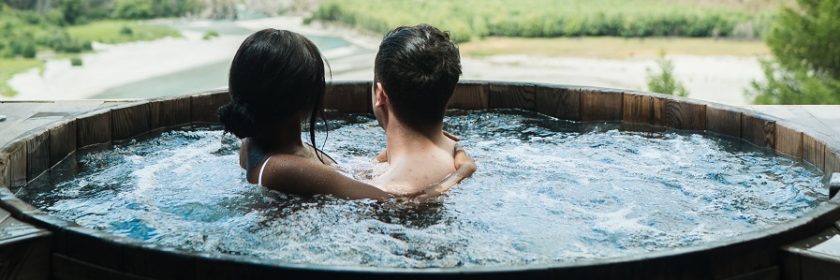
(546, 191)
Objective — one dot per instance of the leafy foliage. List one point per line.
(75, 61)
(210, 35)
(806, 48)
(664, 81)
(467, 19)
(69, 26)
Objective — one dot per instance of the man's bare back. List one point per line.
(423, 163)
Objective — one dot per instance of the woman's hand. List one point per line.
(464, 168)
(382, 156)
(451, 136)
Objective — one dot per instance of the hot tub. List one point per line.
(83, 253)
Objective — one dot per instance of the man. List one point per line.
(415, 73)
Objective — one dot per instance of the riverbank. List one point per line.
(720, 77)
(124, 70)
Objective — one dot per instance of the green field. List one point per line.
(612, 47)
(120, 31)
(26, 34)
(12, 66)
(473, 19)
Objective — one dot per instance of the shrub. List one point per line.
(76, 61)
(144, 9)
(126, 31)
(62, 42)
(664, 81)
(210, 35)
(806, 68)
(29, 51)
(25, 48)
(133, 9)
(73, 11)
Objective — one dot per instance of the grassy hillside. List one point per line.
(612, 47)
(471, 19)
(120, 31)
(26, 33)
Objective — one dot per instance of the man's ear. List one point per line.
(379, 95)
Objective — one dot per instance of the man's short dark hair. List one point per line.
(419, 67)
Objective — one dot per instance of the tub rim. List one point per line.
(199, 113)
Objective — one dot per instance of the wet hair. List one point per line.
(275, 75)
(419, 67)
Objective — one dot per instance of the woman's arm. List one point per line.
(243, 153)
(464, 168)
(291, 174)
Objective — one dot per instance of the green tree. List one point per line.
(73, 11)
(805, 42)
(664, 80)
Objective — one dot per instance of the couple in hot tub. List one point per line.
(277, 81)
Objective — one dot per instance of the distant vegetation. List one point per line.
(805, 43)
(113, 31)
(470, 19)
(210, 35)
(664, 81)
(28, 27)
(76, 61)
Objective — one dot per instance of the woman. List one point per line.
(277, 81)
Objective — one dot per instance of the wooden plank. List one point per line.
(832, 161)
(788, 142)
(637, 108)
(67, 268)
(17, 169)
(469, 96)
(130, 121)
(813, 151)
(679, 114)
(758, 131)
(600, 106)
(5, 170)
(93, 129)
(514, 95)
(559, 102)
(158, 262)
(816, 266)
(170, 112)
(349, 97)
(790, 265)
(24, 250)
(723, 121)
(62, 141)
(37, 154)
(154, 114)
(770, 273)
(204, 108)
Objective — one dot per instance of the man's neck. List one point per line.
(416, 159)
(404, 142)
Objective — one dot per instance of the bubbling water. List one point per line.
(546, 191)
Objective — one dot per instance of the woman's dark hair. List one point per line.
(275, 75)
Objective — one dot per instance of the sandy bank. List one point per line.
(111, 66)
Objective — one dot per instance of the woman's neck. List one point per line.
(283, 139)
